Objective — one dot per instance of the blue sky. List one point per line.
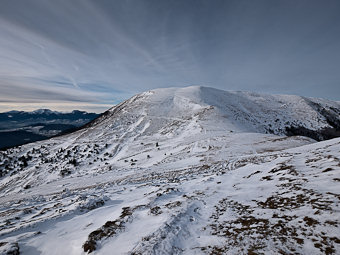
(81, 54)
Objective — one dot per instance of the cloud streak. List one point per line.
(105, 51)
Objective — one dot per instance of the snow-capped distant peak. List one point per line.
(44, 111)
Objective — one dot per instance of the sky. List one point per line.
(90, 55)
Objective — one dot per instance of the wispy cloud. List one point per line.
(105, 51)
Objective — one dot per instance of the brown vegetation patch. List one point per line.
(327, 170)
(109, 229)
(275, 202)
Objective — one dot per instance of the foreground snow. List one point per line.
(173, 180)
(274, 202)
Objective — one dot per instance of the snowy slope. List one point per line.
(181, 170)
(235, 111)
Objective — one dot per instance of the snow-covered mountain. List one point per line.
(191, 170)
(225, 111)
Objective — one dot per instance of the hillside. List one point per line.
(181, 170)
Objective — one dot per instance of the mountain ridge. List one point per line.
(322, 115)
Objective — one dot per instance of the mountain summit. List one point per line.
(209, 109)
(180, 170)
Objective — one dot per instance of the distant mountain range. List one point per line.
(19, 127)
